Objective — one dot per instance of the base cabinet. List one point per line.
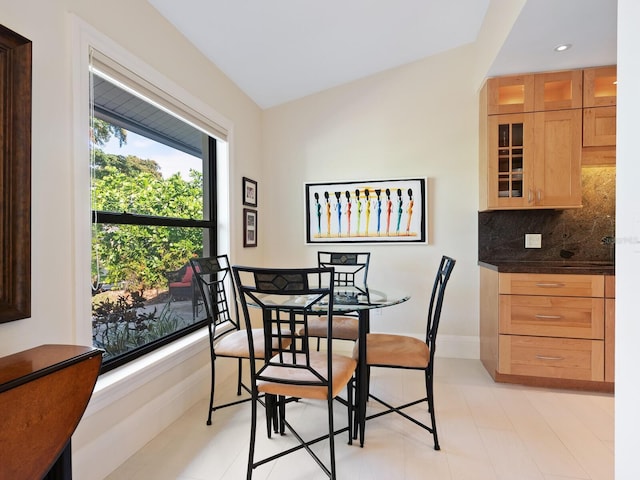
(547, 329)
(567, 358)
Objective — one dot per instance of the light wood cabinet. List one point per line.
(534, 92)
(600, 86)
(558, 90)
(532, 160)
(537, 131)
(556, 284)
(551, 316)
(557, 174)
(546, 329)
(511, 94)
(561, 358)
(609, 328)
(599, 127)
(531, 141)
(599, 116)
(509, 165)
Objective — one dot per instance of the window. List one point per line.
(153, 205)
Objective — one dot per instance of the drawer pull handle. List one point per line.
(544, 357)
(550, 285)
(549, 317)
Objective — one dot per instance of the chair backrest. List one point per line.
(435, 304)
(351, 268)
(213, 277)
(287, 299)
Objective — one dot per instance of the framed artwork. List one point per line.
(249, 192)
(15, 175)
(367, 211)
(250, 228)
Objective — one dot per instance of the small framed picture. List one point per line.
(250, 228)
(249, 192)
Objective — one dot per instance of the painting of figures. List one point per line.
(373, 211)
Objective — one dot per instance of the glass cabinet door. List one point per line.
(534, 92)
(510, 154)
(512, 94)
(600, 86)
(558, 90)
(509, 161)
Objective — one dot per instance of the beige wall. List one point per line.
(419, 120)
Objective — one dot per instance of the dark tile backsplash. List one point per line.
(583, 234)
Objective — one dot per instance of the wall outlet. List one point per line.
(533, 240)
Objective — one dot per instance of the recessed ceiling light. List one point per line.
(562, 47)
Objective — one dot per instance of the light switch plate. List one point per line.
(533, 240)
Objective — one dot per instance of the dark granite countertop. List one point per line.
(553, 266)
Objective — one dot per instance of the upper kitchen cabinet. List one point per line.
(507, 161)
(557, 179)
(558, 90)
(599, 116)
(534, 92)
(600, 86)
(531, 160)
(512, 94)
(599, 127)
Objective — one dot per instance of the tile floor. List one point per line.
(487, 431)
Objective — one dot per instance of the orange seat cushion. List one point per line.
(395, 351)
(236, 344)
(344, 328)
(343, 369)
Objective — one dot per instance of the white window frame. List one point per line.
(84, 38)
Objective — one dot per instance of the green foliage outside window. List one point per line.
(138, 256)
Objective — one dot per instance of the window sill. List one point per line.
(122, 381)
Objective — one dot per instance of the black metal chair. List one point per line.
(288, 298)
(400, 351)
(213, 276)
(351, 270)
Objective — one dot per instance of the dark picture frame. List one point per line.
(15, 165)
(250, 228)
(249, 192)
(367, 211)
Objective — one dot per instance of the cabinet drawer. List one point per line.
(546, 316)
(562, 285)
(565, 358)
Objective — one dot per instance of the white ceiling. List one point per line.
(280, 50)
(590, 26)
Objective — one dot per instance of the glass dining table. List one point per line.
(361, 301)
